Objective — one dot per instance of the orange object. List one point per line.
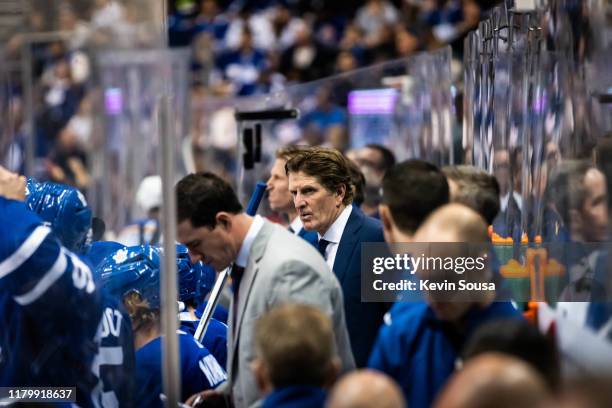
(538, 239)
(531, 314)
(513, 269)
(537, 287)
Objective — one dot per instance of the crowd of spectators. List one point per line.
(251, 47)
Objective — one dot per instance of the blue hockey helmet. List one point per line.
(188, 276)
(196, 280)
(100, 250)
(65, 208)
(208, 276)
(134, 268)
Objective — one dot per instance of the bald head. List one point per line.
(453, 223)
(366, 389)
(494, 381)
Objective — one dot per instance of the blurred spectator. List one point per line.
(373, 160)
(579, 196)
(294, 356)
(519, 339)
(376, 156)
(507, 223)
(448, 20)
(180, 25)
(373, 18)
(286, 26)
(366, 389)
(406, 43)
(68, 161)
(69, 21)
(345, 62)
(494, 381)
(203, 70)
(257, 23)
(242, 66)
(352, 41)
(319, 123)
(307, 59)
(210, 20)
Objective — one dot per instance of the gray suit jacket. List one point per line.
(282, 268)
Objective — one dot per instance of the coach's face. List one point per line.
(317, 206)
(215, 247)
(278, 192)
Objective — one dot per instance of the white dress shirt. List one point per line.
(296, 225)
(245, 248)
(334, 234)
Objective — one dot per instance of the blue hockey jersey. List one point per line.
(49, 309)
(215, 339)
(199, 370)
(56, 328)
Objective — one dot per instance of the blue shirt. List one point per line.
(199, 370)
(220, 313)
(296, 396)
(215, 339)
(243, 69)
(419, 351)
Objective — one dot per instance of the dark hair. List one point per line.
(200, 196)
(412, 190)
(328, 166)
(519, 339)
(358, 181)
(388, 158)
(477, 189)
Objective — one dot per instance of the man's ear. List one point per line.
(224, 219)
(332, 373)
(387, 222)
(340, 193)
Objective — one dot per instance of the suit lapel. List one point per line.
(255, 255)
(348, 243)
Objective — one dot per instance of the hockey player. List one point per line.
(132, 274)
(190, 278)
(65, 209)
(49, 308)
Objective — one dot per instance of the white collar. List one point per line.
(334, 233)
(296, 225)
(245, 248)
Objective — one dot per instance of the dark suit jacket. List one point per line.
(362, 319)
